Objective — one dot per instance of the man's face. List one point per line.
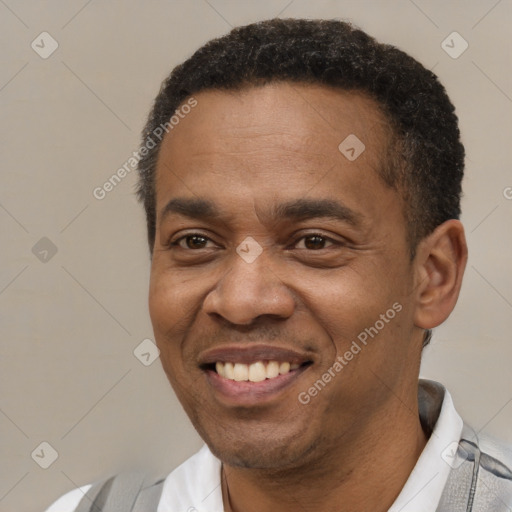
(300, 251)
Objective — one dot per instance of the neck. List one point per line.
(365, 471)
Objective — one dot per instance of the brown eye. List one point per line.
(192, 242)
(195, 242)
(314, 242)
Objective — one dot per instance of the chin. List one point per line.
(260, 447)
(256, 456)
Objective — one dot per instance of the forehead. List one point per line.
(281, 139)
(316, 112)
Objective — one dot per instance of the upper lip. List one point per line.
(252, 353)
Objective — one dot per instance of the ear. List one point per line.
(440, 262)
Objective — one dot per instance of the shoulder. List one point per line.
(488, 463)
(197, 474)
(497, 455)
(69, 501)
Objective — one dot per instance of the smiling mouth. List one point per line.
(258, 371)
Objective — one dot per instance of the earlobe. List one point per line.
(441, 259)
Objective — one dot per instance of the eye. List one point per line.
(314, 241)
(191, 241)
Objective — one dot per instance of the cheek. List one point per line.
(172, 301)
(172, 304)
(169, 310)
(347, 300)
(365, 306)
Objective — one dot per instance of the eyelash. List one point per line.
(175, 243)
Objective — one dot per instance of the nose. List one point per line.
(247, 291)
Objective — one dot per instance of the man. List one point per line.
(302, 190)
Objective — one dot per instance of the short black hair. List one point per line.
(425, 157)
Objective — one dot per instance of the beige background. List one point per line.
(69, 325)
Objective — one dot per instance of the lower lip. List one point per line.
(245, 393)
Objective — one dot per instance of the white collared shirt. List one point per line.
(195, 486)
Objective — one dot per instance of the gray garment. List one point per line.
(478, 482)
(480, 479)
(125, 492)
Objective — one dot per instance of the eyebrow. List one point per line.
(298, 209)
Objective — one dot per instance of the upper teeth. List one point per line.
(255, 372)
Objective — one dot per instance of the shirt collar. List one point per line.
(424, 487)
